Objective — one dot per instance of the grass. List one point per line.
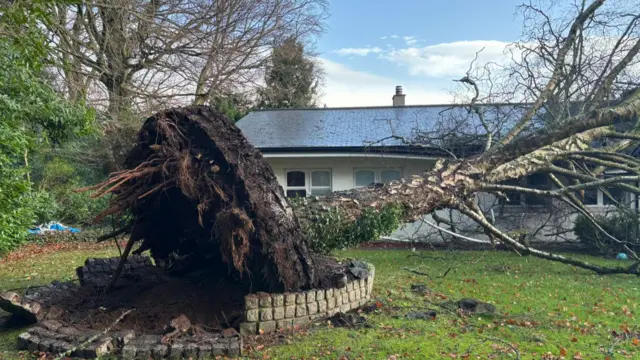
(546, 310)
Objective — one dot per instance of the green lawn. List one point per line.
(544, 308)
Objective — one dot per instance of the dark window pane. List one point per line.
(539, 182)
(589, 196)
(295, 178)
(365, 177)
(617, 193)
(320, 178)
(513, 197)
(320, 191)
(390, 175)
(296, 193)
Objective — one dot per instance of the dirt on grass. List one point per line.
(212, 304)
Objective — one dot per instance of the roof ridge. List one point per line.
(389, 107)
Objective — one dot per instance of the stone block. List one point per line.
(252, 315)
(343, 290)
(234, 348)
(355, 304)
(284, 324)
(362, 302)
(357, 291)
(338, 300)
(278, 313)
(301, 310)
(129, 352)
(220, 348)
(333, 311)
(23, 340)
(301, 321)
(60, 347)
(322, 306)
(289, 299)
(345, 298)
(290, 311)
(331, 303)
(45, 345)
(311, 296)
(160, 351)
(320, 295)
(101, 347)
(328, 293)
(345, 307)
(265, 300)
(205, 351)
(301, 298)
(312, 308)
(267, 326)
(32, 344)
(251, 302)
(266, 314)
(51, 325)
(278, 300)
(361, 283)
(247, 329)
(352, 295)
(191, 351)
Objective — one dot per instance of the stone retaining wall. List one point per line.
(55, 338)
(269, 312)
(98, 272)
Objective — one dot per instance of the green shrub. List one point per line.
(332, 229)
(623, 225)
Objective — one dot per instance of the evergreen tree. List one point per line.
(291, 78)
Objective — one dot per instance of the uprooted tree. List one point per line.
(196, 189)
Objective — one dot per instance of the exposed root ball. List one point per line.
(195, 187)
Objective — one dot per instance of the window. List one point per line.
(301, 183)
(533, 181)
(539, 182)
(589, 196)
(390, 175)
(366, 177)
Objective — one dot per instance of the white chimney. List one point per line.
(398, 98)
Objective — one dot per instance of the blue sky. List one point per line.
(371, 46)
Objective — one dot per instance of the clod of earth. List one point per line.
(468, 305)
(348, 320)
(421, 288)
(422, 315)
(202, 197)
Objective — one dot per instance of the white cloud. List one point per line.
(410, 40)
(394, 36)
(447, 59)
(348, 87)
(383, 38)
(359, 51)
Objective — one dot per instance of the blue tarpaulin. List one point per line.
(52, 226)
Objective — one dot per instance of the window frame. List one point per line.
(307, 181)
(377, 174)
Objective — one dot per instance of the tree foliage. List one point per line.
(32, 115)
(291, 78)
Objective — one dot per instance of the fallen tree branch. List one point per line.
(68, 353)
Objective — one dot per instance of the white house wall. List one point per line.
(508, 218)
(342, 168)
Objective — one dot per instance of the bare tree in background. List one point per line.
(149, 53)
(576, 71)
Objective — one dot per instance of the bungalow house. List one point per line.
(319, 150)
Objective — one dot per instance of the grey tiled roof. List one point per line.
(359, 127)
